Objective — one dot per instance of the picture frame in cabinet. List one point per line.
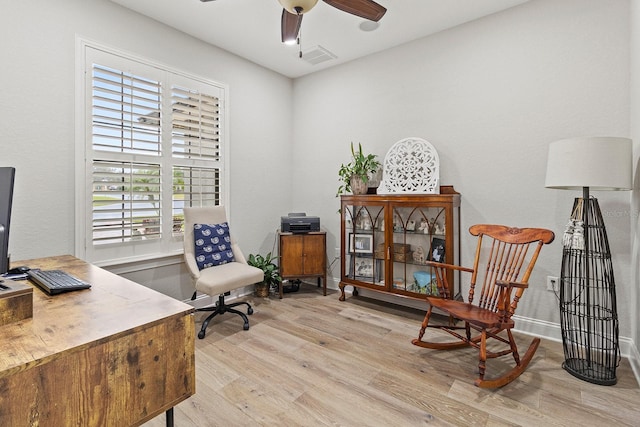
(363, 268)
(361, 243)
(437, 252)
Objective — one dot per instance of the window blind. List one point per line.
(126, 112)
(193, 186)
(154, 143)
(126, 201)
(195, 124)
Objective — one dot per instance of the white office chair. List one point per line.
(217, 280)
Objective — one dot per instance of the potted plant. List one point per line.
(355, 174)
(270, 270)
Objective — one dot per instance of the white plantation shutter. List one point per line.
(126, 201)
(193, 186)
(154, 144)
(126, 112)
(195, 124)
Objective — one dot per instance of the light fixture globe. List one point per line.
(298, 6)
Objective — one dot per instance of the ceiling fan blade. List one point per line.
(367, 9)
(290, 25)
(204, 1)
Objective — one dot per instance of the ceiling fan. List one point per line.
(294, 9)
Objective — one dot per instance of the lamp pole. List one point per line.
(586, 204)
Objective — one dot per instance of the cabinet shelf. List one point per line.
(393, 252)
(408, 232)
(416, 233)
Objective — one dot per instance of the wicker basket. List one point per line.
(401, 252)
(262, 290)
(405, 257)
(401, 248)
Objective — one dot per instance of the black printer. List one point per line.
(299, 222)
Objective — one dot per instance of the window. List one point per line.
(153, 144)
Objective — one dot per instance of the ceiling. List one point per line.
(251, 28)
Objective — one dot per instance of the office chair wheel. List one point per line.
(249, 312)
(201, 334)
(246, 326)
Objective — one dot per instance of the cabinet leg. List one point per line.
(341, 286)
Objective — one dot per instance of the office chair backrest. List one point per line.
(207, 215)
(200, 215)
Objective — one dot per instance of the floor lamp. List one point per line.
(588, 313)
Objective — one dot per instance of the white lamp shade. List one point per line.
(600, 163)
(305, 5)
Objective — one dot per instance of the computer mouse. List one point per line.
(18, 270)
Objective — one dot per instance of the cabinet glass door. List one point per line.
(364, 240)
(419, 235)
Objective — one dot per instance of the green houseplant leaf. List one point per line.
(360, 165)
(268, 267)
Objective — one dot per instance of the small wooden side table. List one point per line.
(303, 255)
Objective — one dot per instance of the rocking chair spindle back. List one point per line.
(505, 257)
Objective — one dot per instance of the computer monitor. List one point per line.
(7, 177)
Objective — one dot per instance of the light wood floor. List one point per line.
(310, 360)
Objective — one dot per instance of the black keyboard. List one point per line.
(56, 281)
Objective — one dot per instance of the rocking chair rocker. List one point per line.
(506, 267)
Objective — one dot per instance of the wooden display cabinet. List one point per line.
(386, 239)
(303, 256)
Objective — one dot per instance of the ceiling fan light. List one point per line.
(292, 6)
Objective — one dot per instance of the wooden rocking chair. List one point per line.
(504, 260)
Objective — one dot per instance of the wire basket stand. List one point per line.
(588, 313)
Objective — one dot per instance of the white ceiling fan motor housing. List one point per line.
(292, 5)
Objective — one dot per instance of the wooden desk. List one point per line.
(117, 354)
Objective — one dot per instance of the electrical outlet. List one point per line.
(337, 253)
(552, 283)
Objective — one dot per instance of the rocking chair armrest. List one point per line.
(448, 266)
(505, 308)
(506, 284)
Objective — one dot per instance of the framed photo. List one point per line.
(363, 268)
(361, 243)
(437, 250)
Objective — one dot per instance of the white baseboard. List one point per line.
(204, 300)
(539, 328)
(200, 301)
(634, 360)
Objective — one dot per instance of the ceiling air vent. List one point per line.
(317, 54)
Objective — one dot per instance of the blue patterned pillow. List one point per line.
(212, 244)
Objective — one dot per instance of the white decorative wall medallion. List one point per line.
(411, 166)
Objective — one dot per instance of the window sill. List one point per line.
(146, 262)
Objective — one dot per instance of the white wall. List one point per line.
(37, 122)
(490, 95)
